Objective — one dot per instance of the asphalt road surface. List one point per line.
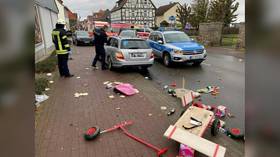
(225, 71)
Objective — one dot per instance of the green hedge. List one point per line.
(46, 66)
(40, 85)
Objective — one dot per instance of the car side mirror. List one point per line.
(160, 41)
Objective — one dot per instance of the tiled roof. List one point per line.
(50, 4)
(162, 9)
(120, 3)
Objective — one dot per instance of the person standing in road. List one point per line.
(100, 38)
(62, 47)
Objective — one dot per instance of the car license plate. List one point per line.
(137, 55)
(195, 57)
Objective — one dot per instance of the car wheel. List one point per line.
(166, 60)
(110, 63)
(197, 63)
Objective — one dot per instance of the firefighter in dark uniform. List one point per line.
(100, 38)
(62, 48)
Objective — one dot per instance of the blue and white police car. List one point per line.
(176, 46)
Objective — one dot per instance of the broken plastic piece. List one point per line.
(47, 89)
(172, 111)
(163, 108)
(105, 82)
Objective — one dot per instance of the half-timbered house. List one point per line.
(140, 12)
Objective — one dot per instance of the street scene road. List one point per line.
(139, 78)
(64, 119)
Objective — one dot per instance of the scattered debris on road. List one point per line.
(49, 74)
(51, 82)
(40, 98)
(126, 89)
(78, 77)
(47, 89)
(118, 108)
(172, 111)
(111, 96)
(163, 108)
(77, 95)
(122, 96)
(150, 114)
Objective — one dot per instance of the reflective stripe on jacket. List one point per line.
(60, 41)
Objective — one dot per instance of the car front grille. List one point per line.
(193, 52)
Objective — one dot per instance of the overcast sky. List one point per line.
(86, 7)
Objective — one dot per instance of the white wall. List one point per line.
(61, 14)
(47, 20)
(47, 25)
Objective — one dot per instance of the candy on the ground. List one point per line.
(47, 89)
(163, 108)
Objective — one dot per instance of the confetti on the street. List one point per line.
(117, 83)
(77, 95)
(111, 96)
(150, 114)
(105, 82)
(51, 82)
(163, 108)
(47, 89)
(49, 74)
(78, 77)
(122, 96)
(136, 91)
(118, 108)
(87, 68)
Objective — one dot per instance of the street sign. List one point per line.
(172, 18)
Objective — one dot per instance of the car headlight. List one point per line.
(178, 52)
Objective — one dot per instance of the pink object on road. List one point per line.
(126, 89)
(186, 151)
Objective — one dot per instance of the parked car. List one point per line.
(82, 38)
(128, 33)
(143, 33)
(176, 46)
(128, 52)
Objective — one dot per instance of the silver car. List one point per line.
(127, 52)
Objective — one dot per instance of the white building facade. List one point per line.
(46, 15)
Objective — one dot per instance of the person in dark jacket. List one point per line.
(100, 38)
(62, 47)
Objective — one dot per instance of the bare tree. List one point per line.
(183, 14)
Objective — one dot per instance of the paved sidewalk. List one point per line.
(63, 118)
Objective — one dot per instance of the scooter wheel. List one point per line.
(215, 127)
(92, 133)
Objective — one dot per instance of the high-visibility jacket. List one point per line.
(60, 41)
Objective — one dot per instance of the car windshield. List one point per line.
(134, 44)
(82, 34)
(140, 30)
(128, 34)
(176, 37)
